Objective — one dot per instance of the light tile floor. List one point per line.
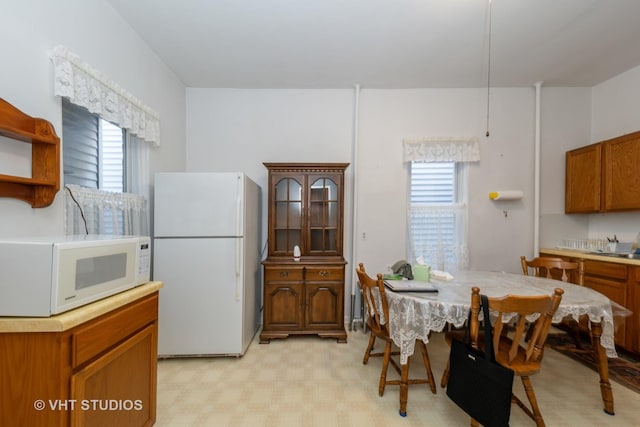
(315, 382)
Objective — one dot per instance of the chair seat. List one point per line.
(519, 364)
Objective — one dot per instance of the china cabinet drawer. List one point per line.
(323, 274)
(286, 273)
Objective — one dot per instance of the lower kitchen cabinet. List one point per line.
(303, 300)
(101, 372)
(610, 279)
(620, 282)
(633, 301)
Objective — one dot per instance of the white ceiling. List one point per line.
(388, 43)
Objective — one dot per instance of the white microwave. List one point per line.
(40, 277)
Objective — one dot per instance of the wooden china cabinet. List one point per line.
(306, 209)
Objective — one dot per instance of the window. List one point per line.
(438, 215)
(93, 150)
(99, 160)
(106, 170)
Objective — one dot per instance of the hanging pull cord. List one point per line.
(489, 71)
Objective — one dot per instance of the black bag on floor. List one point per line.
(477, 383)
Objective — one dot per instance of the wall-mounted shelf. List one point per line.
(39, 190)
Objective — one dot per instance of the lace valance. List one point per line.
(441, 150)
(89, 88)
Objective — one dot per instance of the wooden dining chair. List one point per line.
(551, 268)
(511, 350)
(377, 319)
(559, 269)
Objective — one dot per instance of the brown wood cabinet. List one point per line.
(306, 209)
(603, 177)
(621, 177)
(583, 179)
(633, 299)
(98, 373)
(621, 284)
(610, 279)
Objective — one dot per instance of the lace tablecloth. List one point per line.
(413, 315)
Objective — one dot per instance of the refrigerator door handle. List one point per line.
(239, 216)
(238, 240)
(238, 276)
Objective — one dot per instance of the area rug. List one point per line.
(624, 370)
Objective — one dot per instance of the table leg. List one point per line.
(404, 388)
(603, 368)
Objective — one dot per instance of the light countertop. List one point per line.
(77, 316)
(576, 253)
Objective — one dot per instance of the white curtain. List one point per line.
(438, 233)
(89, 88)
(441, 149)
(91, 211)
(137, 155)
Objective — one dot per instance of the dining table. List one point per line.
(415, 315)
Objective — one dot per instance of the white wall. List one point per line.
(615, 112)
(615, 109)
(574, 117)
(238, 129)
(565, 124)
(389, 116)
(29, 30)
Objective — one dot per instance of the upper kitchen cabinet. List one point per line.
(603, 177)
(621, 181)
(583, 179)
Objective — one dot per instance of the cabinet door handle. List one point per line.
(284, 273)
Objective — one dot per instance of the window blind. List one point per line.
(433, 183)
(112, 167)
(80, 135)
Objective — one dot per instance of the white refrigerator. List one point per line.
(207, 254)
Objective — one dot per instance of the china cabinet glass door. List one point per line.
(288, 218)
(323, 216)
